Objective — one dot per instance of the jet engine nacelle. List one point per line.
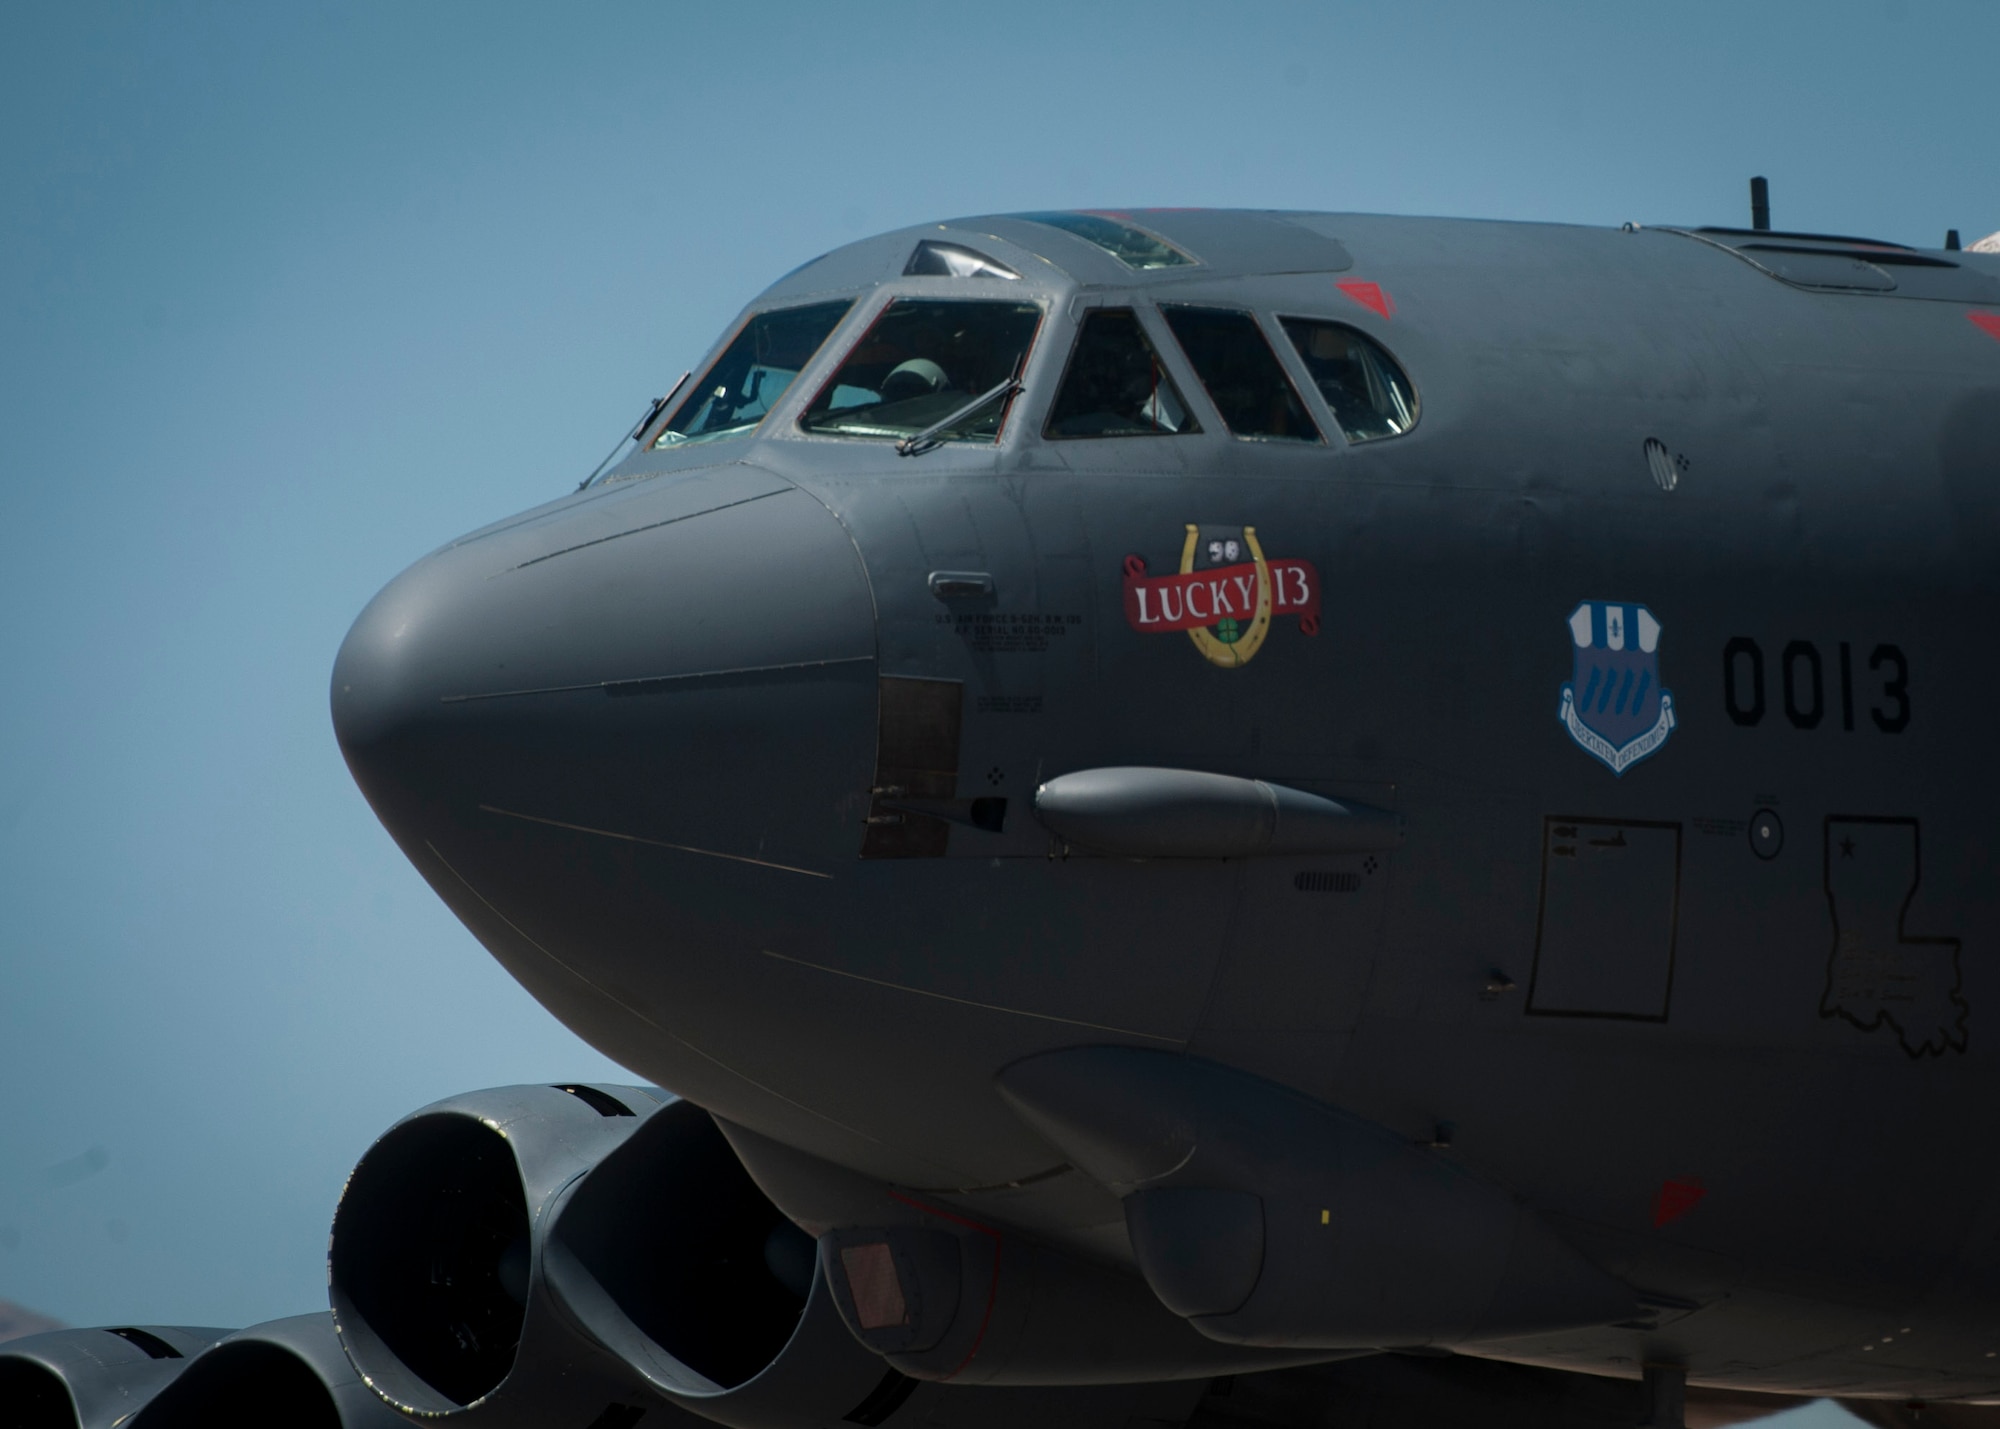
(291, 1372)
(90, 1379)
(519, 1256)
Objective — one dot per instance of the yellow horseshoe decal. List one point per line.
(1230, 654)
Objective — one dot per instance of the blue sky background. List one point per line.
(291, 294)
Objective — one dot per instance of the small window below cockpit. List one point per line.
(1368, 393)
(922, 361)
(752, 373)
(1115, 386)
(1243, 376)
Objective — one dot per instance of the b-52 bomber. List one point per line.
(1215, 818)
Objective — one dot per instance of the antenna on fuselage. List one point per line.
(1760, 204)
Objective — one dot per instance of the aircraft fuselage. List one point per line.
(731, 759)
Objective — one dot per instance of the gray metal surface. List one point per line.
(1733, 1071)
(1519, 882)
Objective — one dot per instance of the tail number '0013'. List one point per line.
(1802, 682)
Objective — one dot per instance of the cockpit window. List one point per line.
(1115, 386)
(752, 373)
(1132, 246)
(1369, 395)
(933, 259)
(923, 360)
(1243, 376)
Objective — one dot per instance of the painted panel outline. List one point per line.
(1552, 825)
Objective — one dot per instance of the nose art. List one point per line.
(701, 680)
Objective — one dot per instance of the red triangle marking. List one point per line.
(1988, 321)
(1369, 295)
(1677, 1196)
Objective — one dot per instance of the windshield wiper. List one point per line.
(929, 439)
(658, 406)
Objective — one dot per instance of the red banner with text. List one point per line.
(1187, 600)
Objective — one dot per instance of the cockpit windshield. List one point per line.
(752, 373)
(923, 360)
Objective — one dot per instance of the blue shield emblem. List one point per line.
(1613, 705)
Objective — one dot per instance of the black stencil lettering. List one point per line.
(1803, 652)
(1896, 690)
(1750, 711)
(1846, 687)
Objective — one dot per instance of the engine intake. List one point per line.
(433, 1261)
(81, 1379)
(526, 1255)
(289, 1372)
(430, 1252)
(670, 1256)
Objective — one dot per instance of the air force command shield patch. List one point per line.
(1613, 705)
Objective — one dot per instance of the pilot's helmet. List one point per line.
(918, 377)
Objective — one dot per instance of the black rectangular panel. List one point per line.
(916, 757)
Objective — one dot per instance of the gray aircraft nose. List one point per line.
(661, 693)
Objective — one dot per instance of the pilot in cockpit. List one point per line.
(916, 377)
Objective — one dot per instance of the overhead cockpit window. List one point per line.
(752, 373)
(1115, 385)
(935, 259)
(1369, 395)
(1244, 377)
(924, 361)
(1130, 245)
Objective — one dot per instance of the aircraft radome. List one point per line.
(1214, 818)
